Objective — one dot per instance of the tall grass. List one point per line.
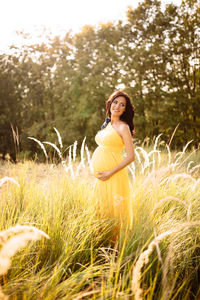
(157, 259)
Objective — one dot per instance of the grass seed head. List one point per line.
(6, 179)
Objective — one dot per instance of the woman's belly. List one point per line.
(104, 159)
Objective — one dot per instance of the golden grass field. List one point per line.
(158, 259)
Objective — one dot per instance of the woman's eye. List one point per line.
(121, 104)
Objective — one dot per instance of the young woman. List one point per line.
(112, 190)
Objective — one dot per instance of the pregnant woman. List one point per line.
(112, 190)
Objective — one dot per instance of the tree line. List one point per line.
(154, 55)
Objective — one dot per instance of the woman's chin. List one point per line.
(116, 114)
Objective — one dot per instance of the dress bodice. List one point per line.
(109, 138)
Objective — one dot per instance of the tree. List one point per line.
(10, 104)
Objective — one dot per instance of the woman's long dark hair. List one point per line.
(127, 115)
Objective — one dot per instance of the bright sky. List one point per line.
(58, 15)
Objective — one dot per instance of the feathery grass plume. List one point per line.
(145, 156)
(138, 156)
(188, 166)
(194, 168)
(189, 211)
(168, 199)
(132, 166)
(78, 169)
(41, 145)
(63, 162)
(155, 151)
(81, 164)
(6, 179)
(185, 147)
(167, 287)
(69, 166)
(132, 170)
(82, 152)
(182, 175)
(177, 157)
(169, 154)
(12, 245)
(196, 184)
(59, 137)
(144, 257)
(172, 136)
(89, 159)
(55, 147)
(16, 139)
(70, 155)
(139, 160)
(182, 163)
(180, 154)
(15, 135)
(21, 228)
(156, 141)
(70, 162)
(173, 178)
(158, 248)
(143, 260)
(146, 142)
(74, 150)
(155, 177)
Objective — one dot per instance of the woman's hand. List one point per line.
(104, 175)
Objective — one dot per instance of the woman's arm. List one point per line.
(124, 132)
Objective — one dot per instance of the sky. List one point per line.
(58, 16)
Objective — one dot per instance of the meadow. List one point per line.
(159, 258)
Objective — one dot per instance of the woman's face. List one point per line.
(118, 106)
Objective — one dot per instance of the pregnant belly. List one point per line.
(105, 160)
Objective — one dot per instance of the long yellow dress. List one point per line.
(113, 195)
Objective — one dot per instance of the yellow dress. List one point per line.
(113, 195)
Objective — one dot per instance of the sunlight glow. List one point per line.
(58, 15)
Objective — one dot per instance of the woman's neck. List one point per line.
(114, 119)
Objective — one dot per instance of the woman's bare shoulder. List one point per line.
(123, 129)
(123, 126)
